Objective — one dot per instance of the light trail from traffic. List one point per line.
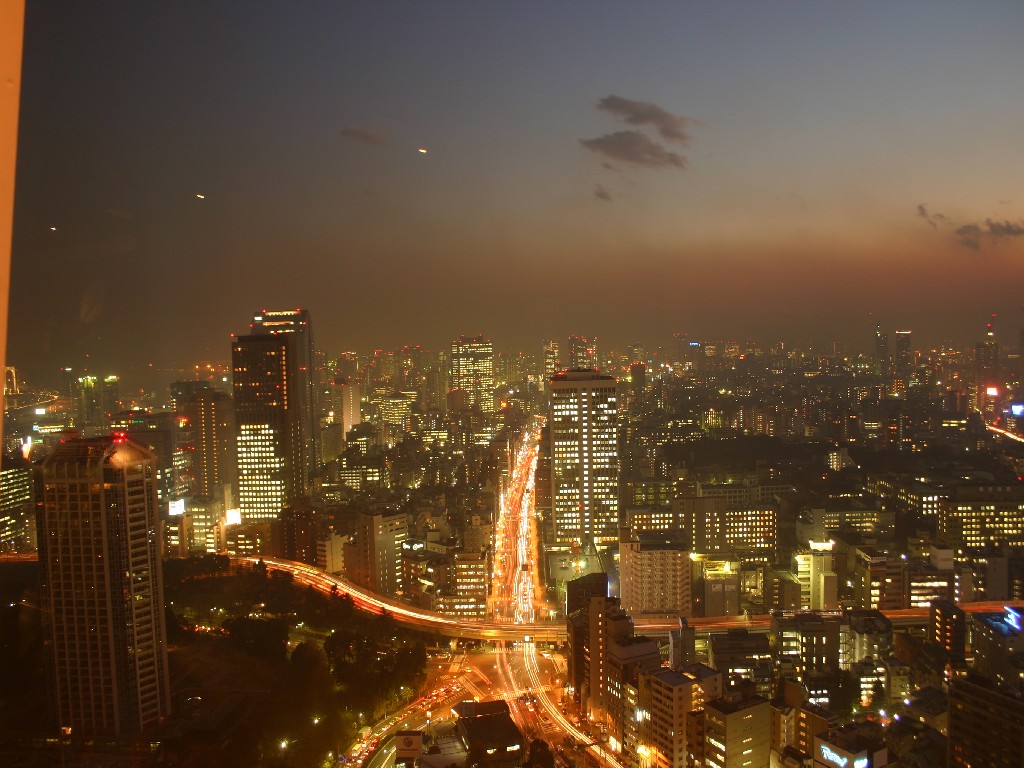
(1004, 433)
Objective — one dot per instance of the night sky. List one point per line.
(796, 169)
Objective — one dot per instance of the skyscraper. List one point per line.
(211, 419)
(585, 459)
(102, 587)
(472, 371)
(583, 353)
(272, 461)
(305, 392)
(904, 357)
(551, 359)
(987, 385)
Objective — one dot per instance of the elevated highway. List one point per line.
(547, 631)
(539, 631)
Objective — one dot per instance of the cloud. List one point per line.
(999, 229)
(601, 193)
(367, 137)
(975, 235)
(922, 211)
(969, 236)
(634, 147)
(671, 127)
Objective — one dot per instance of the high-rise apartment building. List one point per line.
(472, 371)
(271, 442)
(585, 460)
(667, 698)
(102, 587)
(654, 575)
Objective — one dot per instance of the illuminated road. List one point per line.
(539, 631)
(364, 599)
(1004, 433)
(520, 595)
(517, 590)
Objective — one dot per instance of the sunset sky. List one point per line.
(732, 169)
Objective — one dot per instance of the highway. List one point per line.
(1004, 433)
(518, 588)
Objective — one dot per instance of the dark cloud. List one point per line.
(601, 193)
(969, 236)
(1003, 228)
(367, 137)
(671, 127)
(974, 235)
(635, 148)
(922, 211)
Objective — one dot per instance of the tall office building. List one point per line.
(373, 556)
(17, 529)
(472, 371)
(211, 420)
(882, 349)
(551, 359)
(295, 323)
(102, 587)
(904, 353)
(583, 353)
(987, 384)
(270, 424)
(585, 460)
(345, 403)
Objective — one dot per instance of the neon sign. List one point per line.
(1013, 618)
(834, 757)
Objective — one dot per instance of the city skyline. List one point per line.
(805, 172)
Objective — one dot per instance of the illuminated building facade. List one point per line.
(468, 598)
(978, 516)
(551, 359)
(472, 371)
(585, 460)
(737, 731)
(373, 556)
(987, 384)
(583, 353)
(819, 587)
(17, 533)
(296, 325)
(270, 427)
(102, 587)
(856, 745)
(211, 421)
(666, 699)
(654, 574)
(986, 723)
